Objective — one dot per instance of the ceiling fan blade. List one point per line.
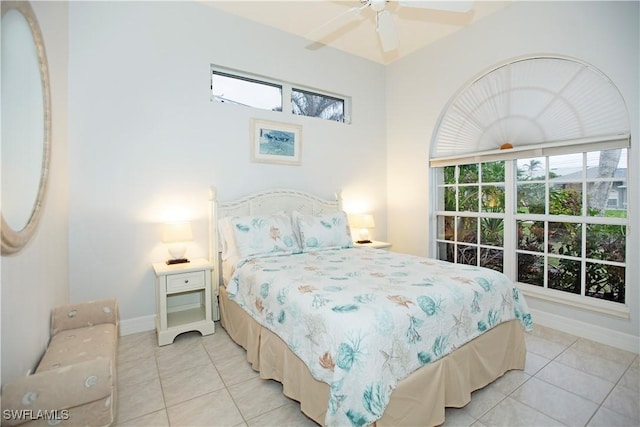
(335, 24)
(387, 31)
(448, 6)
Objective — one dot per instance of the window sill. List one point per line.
(599, 306)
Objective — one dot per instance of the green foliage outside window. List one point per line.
(570, 256)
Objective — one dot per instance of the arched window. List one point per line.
(530, 164)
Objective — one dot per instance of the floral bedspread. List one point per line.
(363, 319)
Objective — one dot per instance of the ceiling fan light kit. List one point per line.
(385, 25)
(377, 5)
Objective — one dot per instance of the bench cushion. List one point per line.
(79, 345)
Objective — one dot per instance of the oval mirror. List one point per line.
(26, 125)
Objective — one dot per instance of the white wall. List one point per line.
(145, 139)
(36, 279)
(604, 34)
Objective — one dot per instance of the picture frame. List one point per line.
(275, 142)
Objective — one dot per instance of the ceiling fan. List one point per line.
(385, 26)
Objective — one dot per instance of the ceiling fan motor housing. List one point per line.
(377, 5)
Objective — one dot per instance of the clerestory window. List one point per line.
(233, 87)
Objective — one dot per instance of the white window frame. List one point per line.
(511, 216)
(287, 88)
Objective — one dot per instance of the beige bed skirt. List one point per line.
(418, 400)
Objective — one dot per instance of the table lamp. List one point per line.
(176, 234)
(363, 222)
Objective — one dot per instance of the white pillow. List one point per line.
(257, 235)
(227, 242)
(325, 231)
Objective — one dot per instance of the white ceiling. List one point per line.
(416, 27)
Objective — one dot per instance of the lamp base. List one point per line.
(177, 261)
(363, 241)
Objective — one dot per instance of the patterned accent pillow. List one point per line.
(325, 231)
(257, 235)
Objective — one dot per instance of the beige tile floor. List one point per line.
(206, 381)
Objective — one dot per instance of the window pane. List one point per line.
(491, 258)
(615, 205)
(531, 269)
(606, 282)
(531, 169)
(468, 198)
(467, 230)
(492, 231)
(252, 93)
(468, 174)
(493, 172)
(450, 175)
(607, 183)
(446, 252)
(531, 236)
(565, 238)
(606, 242)
(492, 198)
(567, 167)
(564, 275)
(304, 103)
(565, 199)
(445, 227)
(450, 199)
(531, 198)
(467, 255)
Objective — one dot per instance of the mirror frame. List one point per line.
(14, 240)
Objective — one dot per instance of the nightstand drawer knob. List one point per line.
(186, 281)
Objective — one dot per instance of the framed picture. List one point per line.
(273, 142)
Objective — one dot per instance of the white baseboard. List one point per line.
(137, 324)
(586, 330)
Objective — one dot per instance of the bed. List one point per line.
(358, 336)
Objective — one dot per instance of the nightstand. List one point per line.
(376, 244)
(183, 294)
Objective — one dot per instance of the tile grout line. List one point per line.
(529, 406)
(164, 400)
(226, 387)
(600, 404)
(540, 379)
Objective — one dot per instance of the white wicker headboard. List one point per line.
(264, 202)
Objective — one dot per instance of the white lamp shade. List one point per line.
(362, 221)
(177, 232)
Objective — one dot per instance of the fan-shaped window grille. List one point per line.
(531, 102)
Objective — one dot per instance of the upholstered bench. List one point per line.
(75, 382)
